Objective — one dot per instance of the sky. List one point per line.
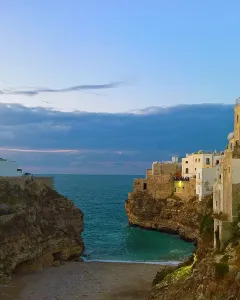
(96, 86)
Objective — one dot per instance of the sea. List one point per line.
(107, 234)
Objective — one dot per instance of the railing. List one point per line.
(181, 178)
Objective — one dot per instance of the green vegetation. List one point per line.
(206, 225)
(181, 273)
(162, 274)
(225, 259)
(221, 269)
(236, 228)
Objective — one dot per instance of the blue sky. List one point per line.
(122, 56)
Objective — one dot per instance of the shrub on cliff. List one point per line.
(163, 273)
(221, 269)
(206, 225)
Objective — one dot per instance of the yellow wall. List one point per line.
(237, 123)
(185, 188)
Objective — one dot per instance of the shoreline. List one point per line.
(159, 263)
(166, 230)
(86, 281)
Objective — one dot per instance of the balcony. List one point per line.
(181, 178)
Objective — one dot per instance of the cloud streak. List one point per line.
(39, 150)
(77, 88)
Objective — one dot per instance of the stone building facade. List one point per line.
(226, 191)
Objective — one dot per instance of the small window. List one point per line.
(195, 159)
(186, 161)
(229, 169)
(231, 146)
(207, 161)
(237, 118)
(195, 169)
(217, 162)
(186, 171)
(220, 176)
(199, 160)
(144, 185)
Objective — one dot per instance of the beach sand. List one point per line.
(85, 281)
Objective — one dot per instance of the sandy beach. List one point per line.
(85, 281)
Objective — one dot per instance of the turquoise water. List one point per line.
(107, 235)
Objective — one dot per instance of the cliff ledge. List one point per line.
(171, 215)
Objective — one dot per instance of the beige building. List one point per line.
(226, 190)
(199, 160)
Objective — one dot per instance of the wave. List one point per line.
(163, 263)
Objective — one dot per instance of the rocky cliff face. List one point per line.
(209, 275)
(212, 275)
(38, 227)
(171, 215)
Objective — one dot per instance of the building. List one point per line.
(9, 168)
(166, 167)
(159, 181)
(226, 190)
(205, 179)
(199, 160)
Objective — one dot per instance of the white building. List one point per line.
(199, 160)
(205, 179)
(9, 168)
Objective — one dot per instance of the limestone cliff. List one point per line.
(38, 227)
(171, 215)
(212, 275)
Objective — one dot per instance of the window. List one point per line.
(186, 161)
(195, 159)
(195, 169)
(217, 162)
(229, 169)
(231, 146)
(144, 185)
(207, 161)
(199, 160)
(237, 118)
(186, 171)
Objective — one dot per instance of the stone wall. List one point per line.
(159, 186)
(165, 168)
(148, 172)
(185, 190)
(227, 184)
(235, 200)
(138, 184)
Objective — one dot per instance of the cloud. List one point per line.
(53, 141)
(39, 150)
(77, 88)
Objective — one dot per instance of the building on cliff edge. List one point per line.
(226, 190)
(159, 180)
(202, 166)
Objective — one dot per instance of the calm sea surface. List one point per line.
(107, 235)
